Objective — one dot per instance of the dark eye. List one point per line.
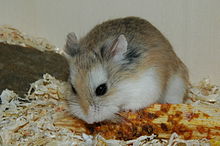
(74, 90)
(101, 90)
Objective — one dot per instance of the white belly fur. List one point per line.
(141, 92)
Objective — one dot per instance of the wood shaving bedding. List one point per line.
(29, 121)
(13, 36)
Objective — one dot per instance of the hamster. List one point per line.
(122, 64)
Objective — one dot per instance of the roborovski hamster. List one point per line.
(122, 64)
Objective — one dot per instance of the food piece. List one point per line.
(189, 122)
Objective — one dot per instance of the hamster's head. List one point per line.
(94, 77)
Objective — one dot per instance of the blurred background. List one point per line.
(192, 26)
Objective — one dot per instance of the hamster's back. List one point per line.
(136, 30)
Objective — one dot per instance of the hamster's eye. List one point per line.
(74, 90)
(101, 90)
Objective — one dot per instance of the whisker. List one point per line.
(73, 103)
(123, 119)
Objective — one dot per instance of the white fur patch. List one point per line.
(136, 94)
(97, 76)
(96, 113)
(175, 90)
(132, 94)
(104, 112)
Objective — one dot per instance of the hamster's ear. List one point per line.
(72, 46)
(118, 49)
